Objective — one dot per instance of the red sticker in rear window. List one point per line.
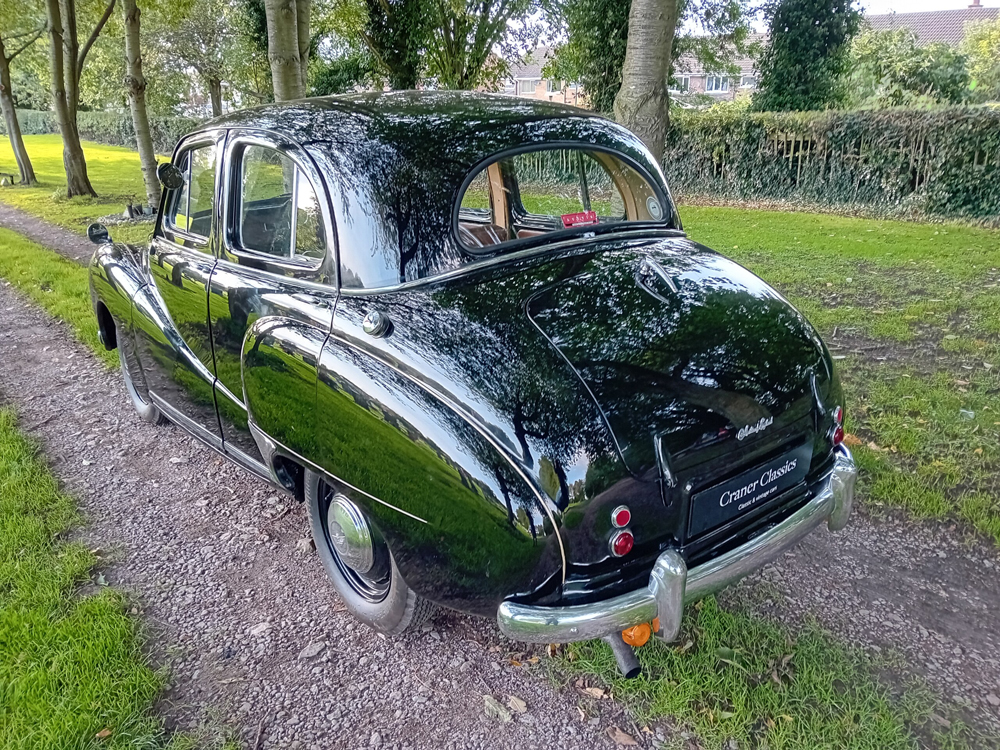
(578, 220)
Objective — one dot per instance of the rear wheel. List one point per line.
(140, 399)
(359, 563)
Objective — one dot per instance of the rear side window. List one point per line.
(279, 212)
(550, 190)
(191, 208)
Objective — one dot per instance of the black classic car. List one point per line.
(470, 334)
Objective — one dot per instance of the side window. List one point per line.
(271, 186)
(191, 209)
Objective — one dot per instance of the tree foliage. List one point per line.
(466, 35)
(712, 31)
(807, 58)
(981, 47)
(396, 32)
(888, 68)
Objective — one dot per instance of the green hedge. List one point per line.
(895, 162)
(109, 127)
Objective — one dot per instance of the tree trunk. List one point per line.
(643, 100)
(135, 84)
(283, 48)
(77, 181)
(27, 172)
(302, 12)
(215, 92)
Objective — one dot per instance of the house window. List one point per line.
(551, 86)
(717, 84)
(526, 86)
(748, 82)
(683, 83)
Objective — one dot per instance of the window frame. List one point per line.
(165, 226)
(558, 235)
(233, 198)
(745, 85)
(723, 83)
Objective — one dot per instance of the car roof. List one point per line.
(464, 110)
(395, 162)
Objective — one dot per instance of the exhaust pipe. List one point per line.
(624, 655)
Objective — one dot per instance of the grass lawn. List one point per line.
(736, 681)
(114, 173)
(72, 672)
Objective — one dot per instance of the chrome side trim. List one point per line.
(672, 585)
(186, 423)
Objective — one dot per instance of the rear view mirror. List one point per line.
(170, 176)
(98, 234)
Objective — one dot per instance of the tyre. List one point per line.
(363, 571)
(143, 406)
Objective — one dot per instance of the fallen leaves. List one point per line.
(495, 709)
(103, 734)
(621, 738)
(516, 705)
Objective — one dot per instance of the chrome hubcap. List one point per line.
(349, 534)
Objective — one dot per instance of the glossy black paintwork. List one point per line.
(516, 399)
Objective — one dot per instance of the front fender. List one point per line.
(115, 278)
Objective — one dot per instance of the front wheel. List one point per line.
(359, 563)
(145, 408)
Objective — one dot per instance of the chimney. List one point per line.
(975, 4)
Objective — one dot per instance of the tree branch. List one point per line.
(34, 38)
(93, 38)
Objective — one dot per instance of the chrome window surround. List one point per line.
(232, 201)
(672, 585)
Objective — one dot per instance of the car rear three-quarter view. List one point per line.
(469, 332)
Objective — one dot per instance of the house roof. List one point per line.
(690, 65)
(533, 63)
(931, 26)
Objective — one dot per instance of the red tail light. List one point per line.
(621, 516)
(838, 425)
(621, 543)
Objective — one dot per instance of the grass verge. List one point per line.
(57, 284)
(735, 680)
(113, 170)
(72, 673)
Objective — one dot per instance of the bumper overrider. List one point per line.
(672, 584)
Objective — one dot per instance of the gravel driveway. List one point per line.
(240, 607)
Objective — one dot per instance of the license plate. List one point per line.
(750, 490)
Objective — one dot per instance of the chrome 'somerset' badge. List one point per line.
(752, 429)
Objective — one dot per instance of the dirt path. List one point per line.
(210, 555)
(66, 243)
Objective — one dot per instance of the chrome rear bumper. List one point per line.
(671, 584)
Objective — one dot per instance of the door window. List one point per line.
(191, 208)
(279, 210)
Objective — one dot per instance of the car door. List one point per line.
(172, 334)
(275, 261)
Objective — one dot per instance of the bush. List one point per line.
(894, 162)
(110, 128)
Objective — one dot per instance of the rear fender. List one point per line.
(465, 527)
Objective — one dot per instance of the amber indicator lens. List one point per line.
(637, 635)
(621, 543)
(621, 516)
